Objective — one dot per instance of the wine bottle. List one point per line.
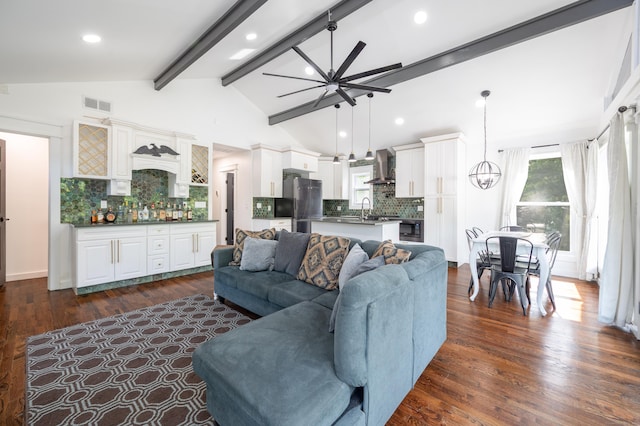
(175, 211)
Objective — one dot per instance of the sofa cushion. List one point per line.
(391, 253)
(238, 247)
(327, 299)
(354, 259)
(291, 292)
(259, 283)
(290, 380)
(323, 260)
(290, 251)
(258, 254)
(369, 265)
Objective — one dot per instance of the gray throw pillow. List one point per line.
(290, 252)
(258, 254)
(355, 258)
(369, 265)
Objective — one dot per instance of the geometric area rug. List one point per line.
(128, 369)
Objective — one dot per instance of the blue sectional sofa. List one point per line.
(286, 368)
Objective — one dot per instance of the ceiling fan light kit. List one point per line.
(485, 174)
(333, 81)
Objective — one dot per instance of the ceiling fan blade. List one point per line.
(310, 62)
(303, 90)
(347, 62)
(371, 72)
(346, 97)
(289, 76)
(364, 87)
(322, 95)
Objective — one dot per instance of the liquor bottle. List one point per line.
(134, 213)
(110, 216)
(175, 211)
(140, 215)
(169, 214)
(162, 214)
(189, 213)
(130, 216)
(145, 214)
(180, 212)
(100, 216)
(153, 214)
(120, 217)
(94, 217)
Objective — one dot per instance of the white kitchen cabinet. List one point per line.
(191, 245)
(278, 224)
(445, 195)
(334, 177)
(91, 150)
(106, 254)
(267, 171)
(300, 160)
(410, 176)
(158, 244)
(121, 149)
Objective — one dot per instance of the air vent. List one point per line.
(96, 104)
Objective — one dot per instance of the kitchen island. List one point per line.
(354, 227)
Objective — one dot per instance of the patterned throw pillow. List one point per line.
(391, 253)
(323, 260)
(265, 234)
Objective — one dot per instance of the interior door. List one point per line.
(3, 220)
(230, 208)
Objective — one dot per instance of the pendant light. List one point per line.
(485, 174)
(336, 160)
(369, 155)
(352, 156)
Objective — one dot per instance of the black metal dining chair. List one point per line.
(509, 272)
(553, 241)
(483, 262)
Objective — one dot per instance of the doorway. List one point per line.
(24, 248)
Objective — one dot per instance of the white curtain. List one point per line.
(515, 170)
(616, 283)
(580, 169)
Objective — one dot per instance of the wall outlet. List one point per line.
(200, 205)
(268, 208)
(258, 205)
(339, 208)
(420, 208)
(103, 204)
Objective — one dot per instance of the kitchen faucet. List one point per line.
(362, 216)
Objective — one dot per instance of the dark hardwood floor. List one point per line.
(497, 366)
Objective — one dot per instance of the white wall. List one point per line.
(214, 114)
(27, 182)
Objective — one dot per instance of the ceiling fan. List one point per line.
(334, 80)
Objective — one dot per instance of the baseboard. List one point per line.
(27, 275)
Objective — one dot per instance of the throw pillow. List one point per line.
(323, 260)
(265, 234)
(391, 253)
(354, 259)
(258, 254)
(291, 249)
(369, 265)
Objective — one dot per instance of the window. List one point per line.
(544, 205)
(358, 189)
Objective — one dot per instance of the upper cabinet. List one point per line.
(410, 177)
(112, 149)
(267, 171)
(300, 160)
(91, 150)
(334, 177)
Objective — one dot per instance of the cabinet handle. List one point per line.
(119, 251)
(111, 251)
(197, 243)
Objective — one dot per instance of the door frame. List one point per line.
(222, 172)
(59, 263)
(3, 208)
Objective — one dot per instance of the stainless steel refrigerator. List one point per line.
(307, 201)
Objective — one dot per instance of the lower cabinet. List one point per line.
(109, 256)
(191, 245)
(109, 253)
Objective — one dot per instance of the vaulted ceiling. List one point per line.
(545, 89)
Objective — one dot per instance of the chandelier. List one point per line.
(485, 174)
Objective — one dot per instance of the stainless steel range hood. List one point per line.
(383, 173)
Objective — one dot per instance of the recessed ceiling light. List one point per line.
(251, 36)
(241, 54)
(309, 70)
(399, 121)
(342, 134)
(91, 38)
(420, 17)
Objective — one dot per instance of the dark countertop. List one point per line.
(100, 225)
